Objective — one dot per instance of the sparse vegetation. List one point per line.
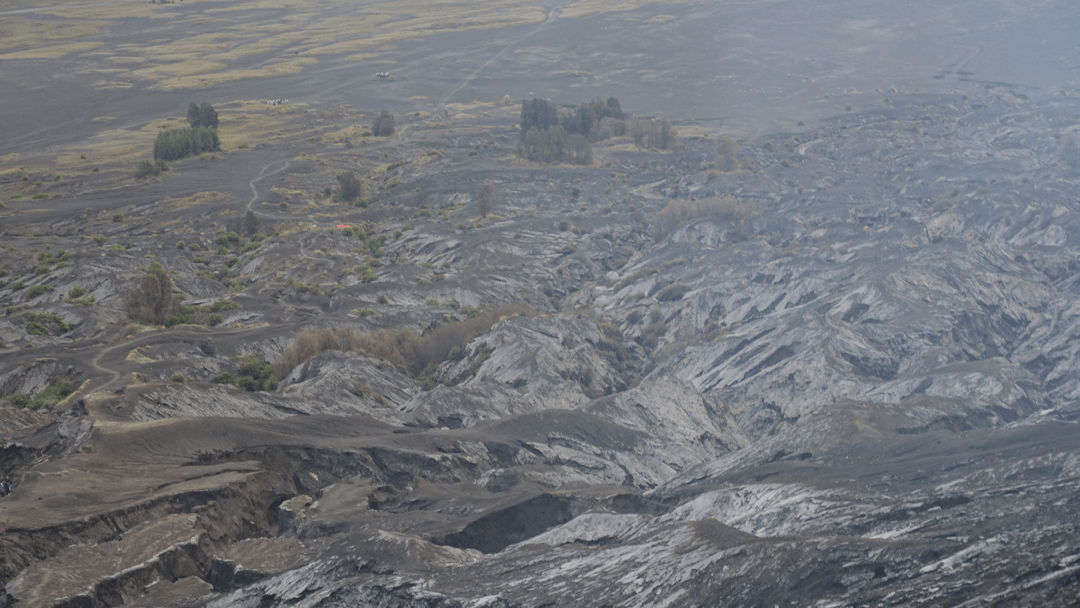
(59, 387)
(188, 314)
(36, 290)
(253, 375)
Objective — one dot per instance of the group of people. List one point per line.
(278, 102)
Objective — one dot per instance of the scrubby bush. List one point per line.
(402, 347)
(251, 223)
(485, 197)
(383, 125)
(726, 154)
(151, 301)
(147, 168)
(256, 375)
(672, 293)
(36, 290)
(654, 133)
(679, 212)
(350, 188)
(46, 324)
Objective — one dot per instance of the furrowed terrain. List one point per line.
(823, 351)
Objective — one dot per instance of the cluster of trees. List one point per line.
(383, 125)
(175, 144)
(586, 119)
(554, 144)
(548, 135)
(202, 115)
(655, 133)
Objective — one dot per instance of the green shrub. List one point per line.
(147, 168)
(672, 293)
(256, 375)
(46, 324)
(77, 292)
(225, 378)
(151, 301)
(19, 400)
(118, 217)
(37, 290)
(227, 238)
(177, 377)
(223, 305)
(383, 125)
(61, 387)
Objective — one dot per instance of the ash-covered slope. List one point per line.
(862, 393)
(839, 371)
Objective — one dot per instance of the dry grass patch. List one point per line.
(107, 85)
(249, 123)
(177, 69)
(16, 32)
(202, 81)
(416, 355)
(585, 8)
(111, 147)
(681, 212)
(196, 200)
(52, 52)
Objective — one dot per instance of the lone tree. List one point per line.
(202, 115)
(251, 223)
(152, 301)
(384, 124)
(350, 187)
(485, 196)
